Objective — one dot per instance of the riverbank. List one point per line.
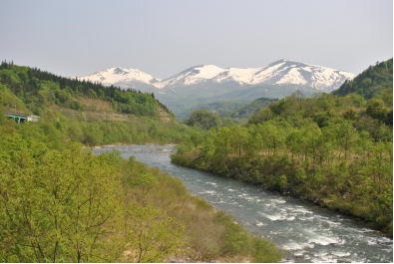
(205, 234)
(305, 233)
(61, 203)
(117, 145)
(358, 184)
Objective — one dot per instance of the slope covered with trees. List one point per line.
(87, 112)
(376, 81)
(64, 204)
(61, 203)
(238, 111)
(39, 89)
(334, 151)
(248, 110)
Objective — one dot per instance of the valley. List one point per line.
(198, 86)
(304, 232)
(332, 150)
(205, 131)
(60, 203)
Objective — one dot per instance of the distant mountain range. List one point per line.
(282, 72)
(205, 84)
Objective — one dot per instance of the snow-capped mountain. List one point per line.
(204, 84)
(193, 75)
(282, 72)
(125, 78)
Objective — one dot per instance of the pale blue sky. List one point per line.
(163, 37)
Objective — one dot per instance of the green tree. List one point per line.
(153, 235)
(204, 119)
(376, 108)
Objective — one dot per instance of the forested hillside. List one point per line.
(60, 203)
(39, 89)
(334, 151)
(376, 81)
(87, 112)
(248, 110)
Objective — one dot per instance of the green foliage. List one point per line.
(86, 112)
(238, 110)
(153, 235)
(377, 109)
(224, 109)
(373, 82)
(237, 241)
(38, 90)
(56, 206)
(60, 203)
(203, 119)
(334, 151)
(251, 108)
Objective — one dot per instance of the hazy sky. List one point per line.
(163, 37)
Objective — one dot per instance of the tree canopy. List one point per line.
(204, 119)
(376, 81)
(333, 150)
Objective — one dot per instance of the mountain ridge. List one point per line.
(117, 75)
(280, 72)
(200, 85)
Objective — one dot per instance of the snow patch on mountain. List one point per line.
(293, 76)
(115, 75)
(265, 73)
(242, 76)
(193, 76)
(282, 72)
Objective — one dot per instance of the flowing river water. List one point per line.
(305, 232)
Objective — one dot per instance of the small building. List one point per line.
(21, 118)
(33, 118)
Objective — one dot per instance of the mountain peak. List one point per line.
(208, 69)
(288, 62)
(279, 61)
(288, 72)
(120, 76)
(119, 71)
(279, 73)
(193, 75)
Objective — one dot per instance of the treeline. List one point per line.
(334, 151)
(100, 128)
(40, 89)
(238, 111)
(96, 131)
(66, 205)
(60, 203)
(375, 81)
(253, 107)
(87, 112)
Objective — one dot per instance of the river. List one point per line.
(306, 232)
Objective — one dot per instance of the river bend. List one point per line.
(306, 232)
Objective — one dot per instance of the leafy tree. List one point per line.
(153, 235)
(204, 119)
(376, 109)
